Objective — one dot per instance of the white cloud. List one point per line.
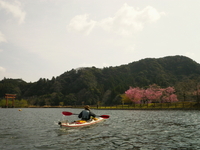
(129, 20)
(80, 23)
(2, 38)
(15, 9)
(2, 70)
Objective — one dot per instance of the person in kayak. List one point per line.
(86, 114)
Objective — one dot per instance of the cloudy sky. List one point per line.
(45, 38)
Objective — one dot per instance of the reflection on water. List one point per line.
(125, 129)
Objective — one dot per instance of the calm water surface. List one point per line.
(36, 128)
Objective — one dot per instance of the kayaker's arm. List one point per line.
(92, 114)
(80, 115)
(69, 114)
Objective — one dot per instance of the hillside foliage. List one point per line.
(106, 86)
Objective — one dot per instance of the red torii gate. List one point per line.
(12, 96)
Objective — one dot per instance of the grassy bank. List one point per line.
(155, 106)
(152, 106)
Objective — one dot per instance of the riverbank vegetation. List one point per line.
(142, 84)
(150, 106)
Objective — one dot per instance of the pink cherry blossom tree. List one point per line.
(152, 94)
(169, 96)
(134, 94)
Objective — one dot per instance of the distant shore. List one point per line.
(150, 106)
(111, 108)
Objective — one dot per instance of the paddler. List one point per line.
(86, 114)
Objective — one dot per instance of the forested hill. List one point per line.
(92, 85)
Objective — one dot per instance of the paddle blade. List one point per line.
(67, 113)
(104, 116)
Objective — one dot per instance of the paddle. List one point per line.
(69, 114)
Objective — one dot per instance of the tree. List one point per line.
(169, 95)
(197, 91)
(152, 94)
(21, 103)
(106, 97)
(184, 90)
(70, 99)
(125, 99)
(134, 94)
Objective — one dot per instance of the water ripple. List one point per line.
(124, 130)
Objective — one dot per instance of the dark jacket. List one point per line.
(86, 114)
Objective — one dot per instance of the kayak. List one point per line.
(80, 123)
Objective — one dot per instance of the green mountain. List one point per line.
(92, 85)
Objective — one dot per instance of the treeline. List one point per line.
(17, 103)
(105, 86)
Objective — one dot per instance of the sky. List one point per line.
(45, 38)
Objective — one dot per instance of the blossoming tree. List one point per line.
(153, 94)
(169, 95)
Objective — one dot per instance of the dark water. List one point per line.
(36, 128)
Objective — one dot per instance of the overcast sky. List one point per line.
(45, 38)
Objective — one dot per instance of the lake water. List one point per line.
(37, 128)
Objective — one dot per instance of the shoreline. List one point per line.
(93, 108)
